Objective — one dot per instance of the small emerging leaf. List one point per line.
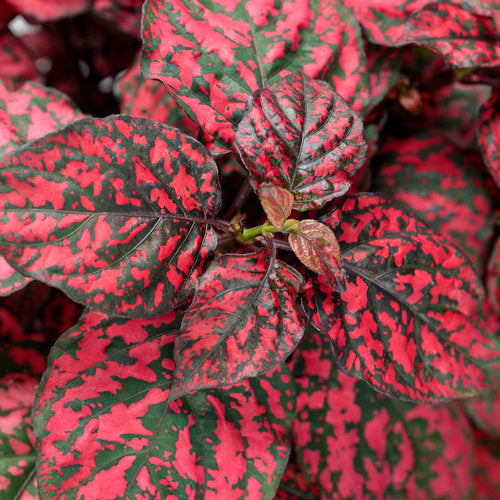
(301, 135)
(276, 202)
(317, 248)
(243, 321)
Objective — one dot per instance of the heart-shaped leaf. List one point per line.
(26, 114)
(444, 185)
(104, 427)
(409, 322)
(317, 248)
(489, 134)
(355, 443)
(113, 212)
(17, 447)
(213, 56)
(276, 202)
(243, 322)
(301, 135)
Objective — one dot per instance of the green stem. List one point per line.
(253, 232)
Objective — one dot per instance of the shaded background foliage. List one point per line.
(426, 88)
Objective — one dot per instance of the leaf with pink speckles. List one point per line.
(17, 446)
(49, 10)
(293, 485)
(16, 64)
(117, 213)
(409, 322)
(276, 202)
(463, 31)
(149, 99)
(484, 412)
(317, 248)
(231, 443)
(489, 134)
(444, 185)
(28, 113)
(244, 320)
(355, 443)
(213, 56)
(302, 136)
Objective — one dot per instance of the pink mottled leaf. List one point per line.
(17, 447)
(355, 443)
(276, 202)
(318, 249)
(149, 99)
(113, 212)
(243, 321)
(28, 113)
(463, 31)
(302, 136)
(105, 428)
(16, 64)
(212, 57)
(489, 134)
(409, 322)
(444, 186)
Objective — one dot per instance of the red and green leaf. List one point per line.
(444, 186)
(113, 212)
(105, 428)
(17, 447)
(409, 322)
(276, 202)
(317, 248)
(16, 64)
(302, 136)
(28, 113)
(487, 467)
(244, 320)
(484, 412)
(149, 99)
(355, 443)
(464, 32)
(293, 485)
(489, 134)
(493, 278)
(213, 57)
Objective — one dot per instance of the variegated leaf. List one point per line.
(113, 212)
(355, 443)
(276, 202)
(409, 322)
(318, 249)
(301, 135)
(213, 56)
(489, 134)
(244, 320)
(105, 429)
(444, 185)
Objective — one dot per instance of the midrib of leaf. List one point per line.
(25, 483)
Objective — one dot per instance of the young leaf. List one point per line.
(104, 427)
(113, 212)
(444, 186)
(213, 56)
(276, 202)
(355, 443)
(489, 134)
(17, 447)
(301, 135)
(409, 322)
(317, 248)
(243, 322)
